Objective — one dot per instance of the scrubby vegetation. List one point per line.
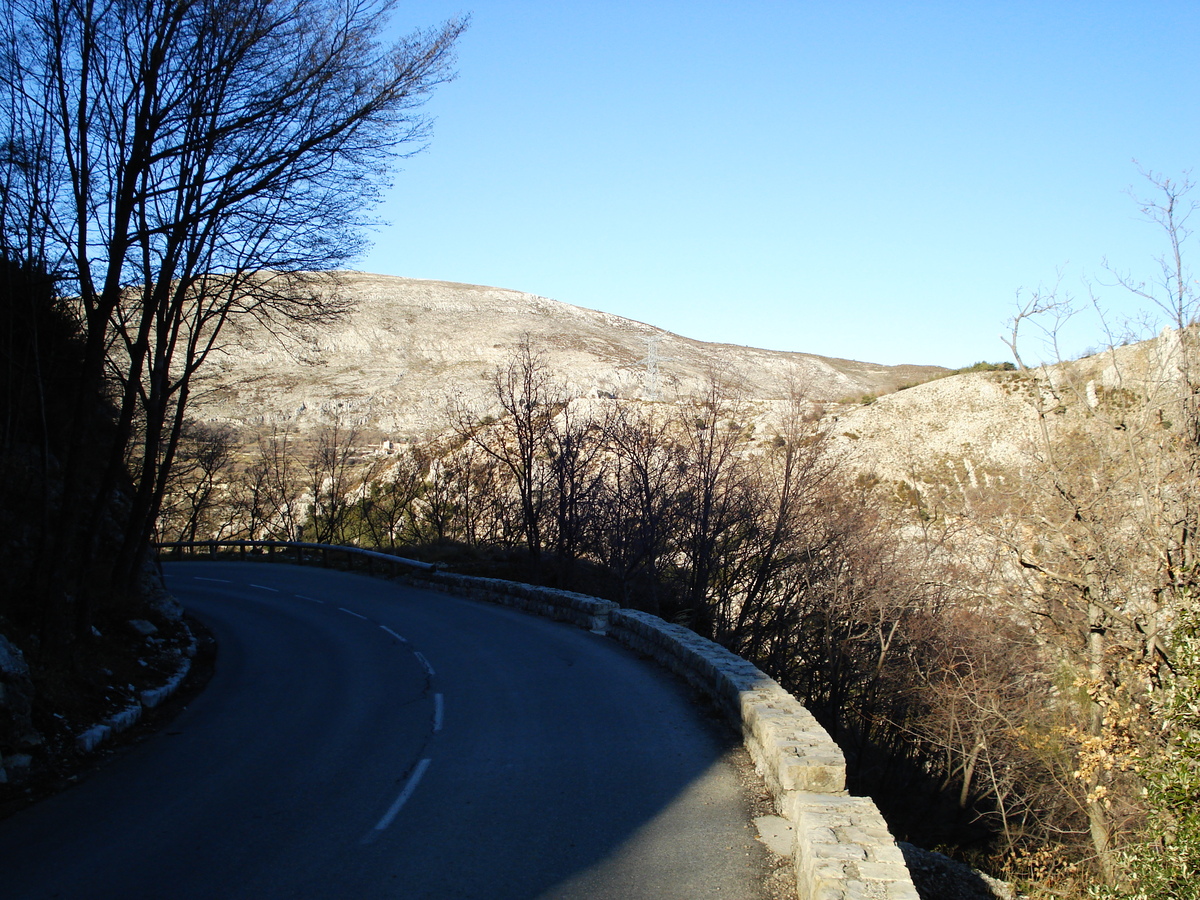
(982, 366)
(1089, 548)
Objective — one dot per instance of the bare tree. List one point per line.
(529, 399)
(194, 491)
(639, 508)
(329, 483)
(385, 499)
(181, 161)
(577, 472)
(787, 482)
(715, 494)
(274, 495)
(438, 501)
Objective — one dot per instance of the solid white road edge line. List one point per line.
(313, 599)
(220, 580)
(351, 612)
(439, 708)
(411, 786)
(263, 587)
(424, 662)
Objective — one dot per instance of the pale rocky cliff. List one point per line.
(971, 425)
(409, 344)
(981, 418)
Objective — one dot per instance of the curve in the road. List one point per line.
(363, 739)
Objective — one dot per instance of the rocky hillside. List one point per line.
(971, 425)
(976, 420)
(409, 344)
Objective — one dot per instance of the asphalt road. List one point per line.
(366, 740)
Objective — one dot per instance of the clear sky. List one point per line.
(868, 180)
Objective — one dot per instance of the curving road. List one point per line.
(361, 739)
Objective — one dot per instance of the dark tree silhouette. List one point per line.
(181, 163)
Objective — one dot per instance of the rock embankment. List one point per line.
(51, 721)
(18, 737)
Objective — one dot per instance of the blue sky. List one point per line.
(865, 180)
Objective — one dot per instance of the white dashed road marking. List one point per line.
(411, 786)
(439, 711)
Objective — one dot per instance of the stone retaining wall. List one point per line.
(587, 612)
(843, 849)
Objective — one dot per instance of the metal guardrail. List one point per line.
(299, 551)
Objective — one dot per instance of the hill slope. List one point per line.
(409, 344)
(973, 424)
